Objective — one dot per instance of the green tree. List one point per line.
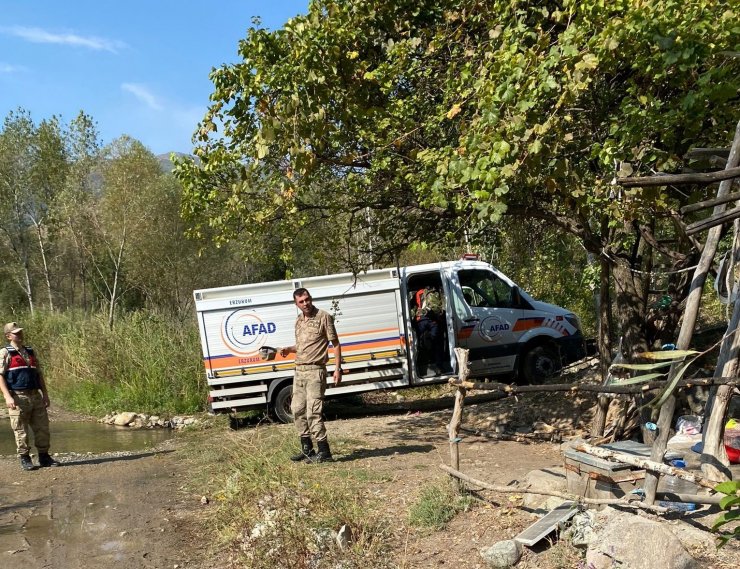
(130, 175)
(440, 117)
(75, 205)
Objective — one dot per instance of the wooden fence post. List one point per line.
(453, 428)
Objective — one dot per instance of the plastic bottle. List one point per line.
(675, 485)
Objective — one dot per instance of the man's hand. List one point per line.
(45, 399)
(9, 402)
(337, 376)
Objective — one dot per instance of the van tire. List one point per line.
(539, 364)
(281, 403)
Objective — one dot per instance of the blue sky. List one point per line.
(138, 68)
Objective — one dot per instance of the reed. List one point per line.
(148, 363)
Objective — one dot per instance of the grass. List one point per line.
(272, 513)
(147, 363)
(437, 504)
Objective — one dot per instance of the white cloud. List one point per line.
(37, 35)
(143, 94)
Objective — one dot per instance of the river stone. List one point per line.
(503, 554)
(626, 540)
(123, 419)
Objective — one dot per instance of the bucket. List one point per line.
(732, 444)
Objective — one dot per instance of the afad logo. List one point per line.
(492, 327)
(245, 332)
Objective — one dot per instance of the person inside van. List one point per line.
(430, 319)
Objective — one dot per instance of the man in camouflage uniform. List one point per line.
(314, 329)
(24, 390)
(429, 319)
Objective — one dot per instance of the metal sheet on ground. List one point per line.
(546, 524)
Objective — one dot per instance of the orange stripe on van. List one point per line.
(343, 335)
(527, 324)
(230, 362)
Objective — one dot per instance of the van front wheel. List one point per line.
(539, 364)
(281, 404)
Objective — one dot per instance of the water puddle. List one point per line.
(84, 437)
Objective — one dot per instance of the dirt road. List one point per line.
(116, 509)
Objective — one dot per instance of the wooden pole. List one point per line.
(645, 464)
(635, 503)
(594, 388)
(674, 179)
(688, 323)
(453, 428)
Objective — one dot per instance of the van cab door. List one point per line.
(486, 309)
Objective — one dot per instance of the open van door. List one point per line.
(486, 308)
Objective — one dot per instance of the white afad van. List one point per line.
(386, 342)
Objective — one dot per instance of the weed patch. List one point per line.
(438, 504)
(272, 513)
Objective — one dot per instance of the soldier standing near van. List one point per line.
(24, 390)
(314, 329)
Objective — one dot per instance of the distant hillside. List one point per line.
(164, 160)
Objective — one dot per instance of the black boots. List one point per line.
(46, 460)
(309, 455)
(27, 463)
(324, 454)
(306, 450)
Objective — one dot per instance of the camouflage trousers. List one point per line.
(307, 406)
(29, 411)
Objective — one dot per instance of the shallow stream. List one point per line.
(86, 436)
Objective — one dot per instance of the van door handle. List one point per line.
(471, 320)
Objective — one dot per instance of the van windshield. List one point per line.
(482, 288)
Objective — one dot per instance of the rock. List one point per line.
(344, 537)
(123, 419)
(503, 554)
(204, 500)
(581, 532)
(550, 479)
(621, 540)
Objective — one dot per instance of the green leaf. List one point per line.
(726, 517)
(668, 355)
(728, 501)
(672, 385)
(638, 379)
(641, 366)
(728, 487)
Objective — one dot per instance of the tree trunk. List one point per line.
(605, 347)
(689, 322)
(116, 276)
(630, 308)
(45, 265)
(27, 285)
